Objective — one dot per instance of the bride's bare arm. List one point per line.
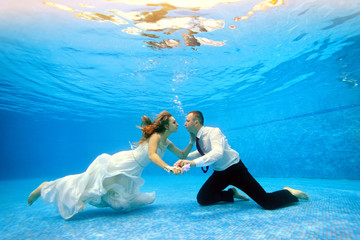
(155, 158)
(184, 153)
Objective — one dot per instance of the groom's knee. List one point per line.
(202, 199)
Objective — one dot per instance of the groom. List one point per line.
(213, 149)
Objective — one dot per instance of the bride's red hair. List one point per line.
(159, 125)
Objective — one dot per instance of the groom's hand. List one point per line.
(181, 163)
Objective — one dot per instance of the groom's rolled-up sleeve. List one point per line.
(217, 143)
(194, 155)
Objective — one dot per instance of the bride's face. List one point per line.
(173, 125)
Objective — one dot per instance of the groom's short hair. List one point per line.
(199, 116)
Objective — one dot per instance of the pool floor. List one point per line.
(333, 212)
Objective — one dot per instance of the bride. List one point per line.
(114, 180)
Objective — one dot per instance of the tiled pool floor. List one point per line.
(333, 212)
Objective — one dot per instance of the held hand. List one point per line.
(181, 163)
(176, 170)
(184, 168)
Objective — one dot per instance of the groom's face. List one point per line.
(190, 123)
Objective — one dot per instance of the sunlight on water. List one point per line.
(91, 57)
(162, 20)
(261, 7)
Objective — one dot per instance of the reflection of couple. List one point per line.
(114, 180)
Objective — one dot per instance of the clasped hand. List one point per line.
(179, 167)
(176, 170)
(180, 163)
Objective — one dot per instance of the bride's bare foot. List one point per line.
(297, 193)
(238, 195)
(35, 194)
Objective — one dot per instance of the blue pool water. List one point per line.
(280, 78)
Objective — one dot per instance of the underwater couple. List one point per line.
(114, 180)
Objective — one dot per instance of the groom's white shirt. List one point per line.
(218, 152)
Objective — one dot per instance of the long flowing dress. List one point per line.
(110, 181)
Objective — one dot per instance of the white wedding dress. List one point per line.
(110, 181)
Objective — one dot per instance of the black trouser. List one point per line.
(237, 175)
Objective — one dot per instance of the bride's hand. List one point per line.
(176, 170)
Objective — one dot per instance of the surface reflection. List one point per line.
(264, 5)
(162, 20)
